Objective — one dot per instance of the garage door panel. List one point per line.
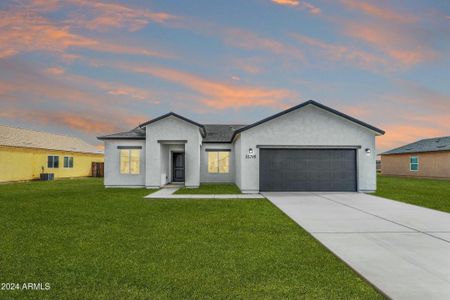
(307, 170)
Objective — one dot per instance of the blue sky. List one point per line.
(87, 68)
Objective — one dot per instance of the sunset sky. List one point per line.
(87, 68)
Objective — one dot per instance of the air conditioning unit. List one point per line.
(47, 176)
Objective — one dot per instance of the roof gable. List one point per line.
(309, 102)
(169, 115)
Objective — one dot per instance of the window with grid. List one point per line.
(414, 163)
(53, 161)
(130, 161)
(218, 162)
(68, 162)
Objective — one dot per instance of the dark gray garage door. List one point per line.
(307, 170)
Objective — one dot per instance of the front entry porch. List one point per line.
(178, 169)
(173, 163)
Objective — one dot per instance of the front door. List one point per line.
(178, 167)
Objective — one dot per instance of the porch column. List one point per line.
(153, 164)
(192, 164)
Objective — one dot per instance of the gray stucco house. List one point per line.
(309, 147)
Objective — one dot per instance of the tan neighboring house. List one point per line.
(25, 154)
(424, 158)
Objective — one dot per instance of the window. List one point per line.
(218, 162)
(68, 162)
(130, 161)
(53, 161)
(414, 163)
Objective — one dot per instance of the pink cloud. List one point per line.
(398, 43)
(217, 94)
(105, 16)
(401, 134)
(251, 41)
(336, 52)
(302, 5)
(22, 31)
(55, 70)
(385, 13)
(287, 2)
(250, 65)
(111, 88)
(83, 122)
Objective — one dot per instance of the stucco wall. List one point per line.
(314, 127)
(26, 163)
(172, 128)
(431, 164)
(112, 164)
(216, 177)
(237, 161)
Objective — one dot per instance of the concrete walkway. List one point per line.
(402, 249)
(168, 193)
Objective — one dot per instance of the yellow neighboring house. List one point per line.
(25, 154)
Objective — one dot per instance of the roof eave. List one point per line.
(412, 152)
(102, 138)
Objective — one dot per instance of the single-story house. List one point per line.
(25, 154)
(309, 147)
(424, 158)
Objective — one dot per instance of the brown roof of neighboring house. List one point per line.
(27, 138)
(426, 145)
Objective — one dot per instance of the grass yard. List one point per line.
(429, 193)
(94, 243)
(211, 188)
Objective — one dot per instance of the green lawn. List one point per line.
(211, 188)
(94, 243)
(430, 193)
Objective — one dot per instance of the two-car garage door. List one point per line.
(307, 170)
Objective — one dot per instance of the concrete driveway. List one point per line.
(402, 249)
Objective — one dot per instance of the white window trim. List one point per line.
(64, 160)
(410, 164)
(53, 162)
(129, 161)
(218, 167)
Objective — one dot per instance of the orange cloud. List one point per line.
(249, 65)
(217, 94)
(385, 13)
(60, 118)
(114, 88)
(287, 2)
(251, 41)
(356, 111)
(55, 71)
(107, 16)
(401, 134)
(400, 44)
(299, 4)
(335, 52)
(22, 31)
(86, 122)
